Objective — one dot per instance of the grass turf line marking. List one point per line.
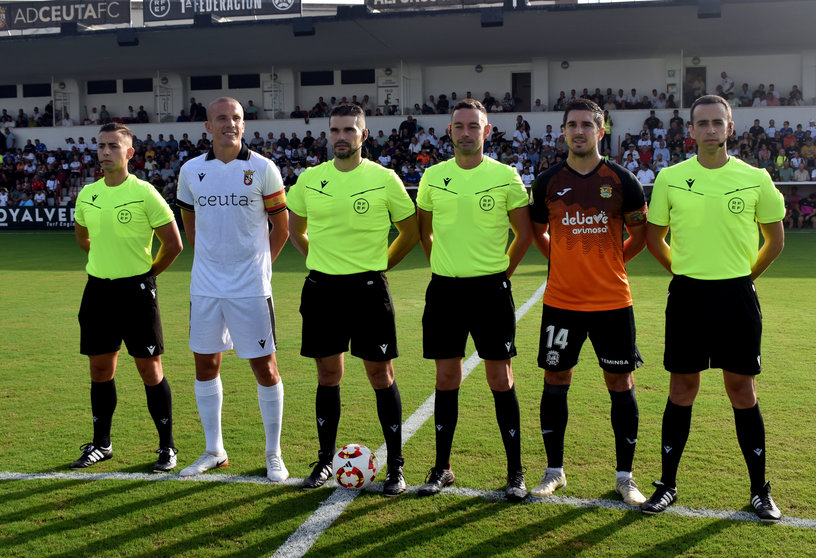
(341, 497)
(330, 509)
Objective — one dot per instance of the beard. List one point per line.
(350, 151)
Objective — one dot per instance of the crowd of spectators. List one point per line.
(33, 174)
(744, 96)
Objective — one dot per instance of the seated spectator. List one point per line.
(744, 95)
(141, 116)
(130, 115)
(36, 118)
(251, 111)
(807, 207)
(22, 119)
(412, 177)
(560, 103)
(25, 201)
(442, 104)
(786, 172)
(733, 101)
(367, 105)
(801, 174)
(508, 103)
(629, 163)
(256, 142)
(104, 115)
(792, 210)
(66, 120)
(645, 175)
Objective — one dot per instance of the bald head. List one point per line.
(223, 100)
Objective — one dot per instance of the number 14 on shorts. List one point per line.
(559, 338)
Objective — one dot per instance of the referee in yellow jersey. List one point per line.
(466, 207)
(715, 206)
(340, 216)
(116, 218)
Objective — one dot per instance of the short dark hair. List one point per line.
(709, 100)
(469, 104)
(585, 104)
(349, 109)
(118, 128)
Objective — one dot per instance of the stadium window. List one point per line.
(137, 85)
(101, 87)
(317, 78)
(355, 77)
(244, 81)
(36, 90)
(8, 91)
(199, 83)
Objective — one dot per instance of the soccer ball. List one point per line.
(355, 466)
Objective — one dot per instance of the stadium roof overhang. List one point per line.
(356, 39)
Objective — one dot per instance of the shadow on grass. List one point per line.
(420, 530)
(87, 498)
(98, 517)
(295, 507)
(569, 547)
(49, 486)
(682, 543)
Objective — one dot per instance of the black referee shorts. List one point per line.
(712, 324)
(481, 306)
(113, 310)
(355, 309)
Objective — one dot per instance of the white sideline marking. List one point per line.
(341, 497)
(305, 536)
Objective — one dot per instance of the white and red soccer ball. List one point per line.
(355, 466)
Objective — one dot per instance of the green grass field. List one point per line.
(46, 416)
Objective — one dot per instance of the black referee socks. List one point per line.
(160, 405)
(103, 404)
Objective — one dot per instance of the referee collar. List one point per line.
(243, 155)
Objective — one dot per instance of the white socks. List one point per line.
(270, 400)
(209, 397)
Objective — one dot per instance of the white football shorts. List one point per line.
(216, 324)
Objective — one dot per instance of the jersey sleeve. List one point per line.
(296, 197)
(158, 212)
(539, 212)
(79, 210)
(771, 205)
(424, 200)
(274, 194)
(184, 193)
(659, 202)
(400, 205)
(517, 196)
(634, 201)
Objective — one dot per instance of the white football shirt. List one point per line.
(232, 258)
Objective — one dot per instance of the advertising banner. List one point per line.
(36, 218)
(33, 15)
(167, 10)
